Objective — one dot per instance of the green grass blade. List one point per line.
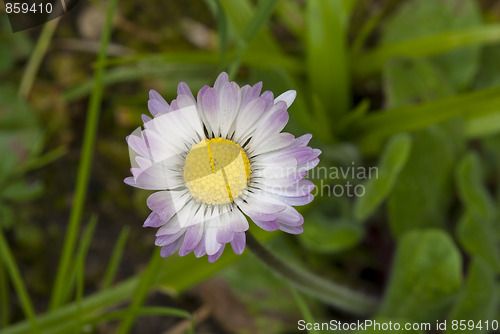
(239, 13)
(84, 166)
(290, 13)
(116, 257)
(304, 309)
(68, 315)
(146, 282)
(121, 314)
(222, 32)
(373, 61)
(4, 297)
(327, 60)
(262, 14)
(36, 57)
(80, 264)
(378, 125)
(17, 281)
(170, 72)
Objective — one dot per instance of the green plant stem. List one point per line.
(329, 292)
(84, 166)
(36, 57)
(147, 281)
(15, 276)
(115, 260)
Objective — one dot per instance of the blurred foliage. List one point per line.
(410, 87)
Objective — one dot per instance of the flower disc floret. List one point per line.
(216, 171)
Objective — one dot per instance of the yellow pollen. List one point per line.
(216, 171)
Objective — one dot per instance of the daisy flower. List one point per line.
(216, 160)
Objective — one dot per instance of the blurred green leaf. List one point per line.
(327, 60)
(426, 275)
(173, 74)
(239, 14)
(324, 235)
(7, 216)
(12, 46)
(472, 192)
(475, 230)
(20, 191)
(390, 164)
(373, 61)
(489, 72)
(477, 236)
(479, 300)
(421, 194)
(410, 81)
(379, 125)
(416, 19)
(483, 126)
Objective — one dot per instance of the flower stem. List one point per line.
(327, 291)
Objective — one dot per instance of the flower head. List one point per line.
(216, 159)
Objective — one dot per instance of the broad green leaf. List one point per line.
(479, 300)
(411, 81)
(421, 194)
(416, 19)
(472, 192)
(330, 236)
(426, 275)
(477, 236)
(327, 60)
(391, 162)
(489, 72)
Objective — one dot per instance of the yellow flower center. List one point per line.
(216, 171)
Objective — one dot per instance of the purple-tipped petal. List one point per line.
(221, 80)
(170, 249)
(290, 216)
(183, 89)
(296, 201)
(292, 229)
(301, 141)
(162, 203)
(153, 220)
(250, 93)
(267, 226)
(225, 235)
(215, 257)
(238, 222)
(166, 239)
(238, 243)
(191, 239)
(160, 105)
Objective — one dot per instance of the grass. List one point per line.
(305, 48)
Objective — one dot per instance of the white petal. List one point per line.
(288, 97)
